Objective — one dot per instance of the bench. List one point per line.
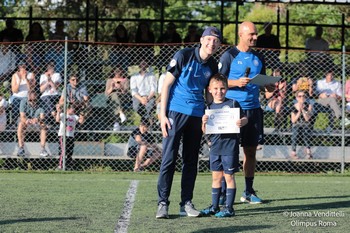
(113, 151)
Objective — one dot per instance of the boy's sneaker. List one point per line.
(189, 210)
(162, 211)
(210, 210)
(43, 153)
(250, 198)
(225, 213)
(21, 152)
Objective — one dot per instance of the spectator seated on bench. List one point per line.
(329, 92)
(301, 128)
(31, 118)
(76, 94)
(275, 101)
(141, 144)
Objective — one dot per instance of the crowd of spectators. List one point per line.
(31, 71)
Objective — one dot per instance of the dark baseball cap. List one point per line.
(212, 31)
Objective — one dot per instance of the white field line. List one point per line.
(124, 219)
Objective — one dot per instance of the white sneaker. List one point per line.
(116, 126)
(346, 121)
(44, 153)
(122, 117)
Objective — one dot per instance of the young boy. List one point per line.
(71, 123)
(224, 151)
(141, 143)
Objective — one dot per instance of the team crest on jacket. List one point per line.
(172, 62)
(207, 74)
(219, 65)
(256, 62)
(226, 106)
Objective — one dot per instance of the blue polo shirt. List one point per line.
(233, 64)
(191, 78)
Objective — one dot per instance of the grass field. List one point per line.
(95, 202)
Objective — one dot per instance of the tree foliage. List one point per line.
(113, 12)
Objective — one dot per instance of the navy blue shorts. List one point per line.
(227, 163)
(252, 133)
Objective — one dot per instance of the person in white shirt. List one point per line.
(49, 83)
(8, 61)
(143, 86)
(329, 92)
(21, 83)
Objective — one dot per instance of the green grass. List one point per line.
(93, 202)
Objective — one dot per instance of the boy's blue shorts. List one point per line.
(227, 163)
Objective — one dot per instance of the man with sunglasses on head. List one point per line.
(76, 94)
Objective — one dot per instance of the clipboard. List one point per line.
(263, 80)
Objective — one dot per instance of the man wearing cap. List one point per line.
(182, 106)
(240, 64)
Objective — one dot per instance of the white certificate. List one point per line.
(222, 121)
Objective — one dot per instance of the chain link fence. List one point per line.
(107, 116)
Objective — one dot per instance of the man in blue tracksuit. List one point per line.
(182, 108)
(240, 64)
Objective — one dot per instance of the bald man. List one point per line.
(240, 64)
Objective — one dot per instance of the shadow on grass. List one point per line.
(325, 206)
(24, 220)
(235, 228)
(306, 198)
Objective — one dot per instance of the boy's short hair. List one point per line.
(218, 77)
(145, 122)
